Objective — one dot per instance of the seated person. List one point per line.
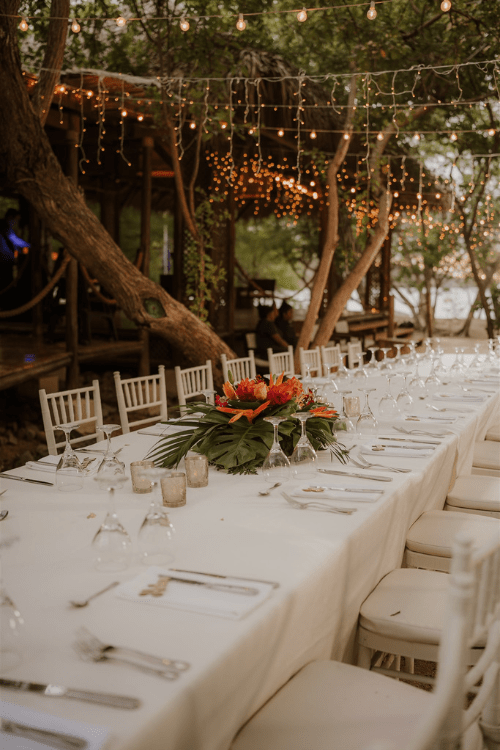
(267, 334)
(284, 323)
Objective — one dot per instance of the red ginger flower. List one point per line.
(323, 411)
(250, 414)
(228, 389)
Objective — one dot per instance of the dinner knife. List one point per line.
(231, 588)
(57, 691)
(410, 440)
(358, 476)
(404, 447)
(56, 740)
(24, 479)
(274, 584)
(340, 489)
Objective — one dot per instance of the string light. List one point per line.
(241, 23)
(184, 24)
(346, 136)
(491, 131)
(453, 137)
(281, 132)
(140, 118)
(380, 136)
(192, 125)
(75, 26)
(372, 13)
(313, 134)
(302, 15)
(124, 113)
(445, 6)
(23, 25)
(121, 22)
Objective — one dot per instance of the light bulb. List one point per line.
(223, 125)
(416, 136)
(140, 118)
(124, 113)
(453, 137)
(396, 194)
(121, 21)
(438, 196)
(346, 136)
(313, 134)
(380, 136)
(281, 133)
(192, 125)
(241, 23)
(75, 26)
(302, 15)
(445, 6)
(372, 13)
(184, 24)
(491, 131)
(23, 25)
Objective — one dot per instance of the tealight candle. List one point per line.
(196, 470)
(173, 489)
(140, 484)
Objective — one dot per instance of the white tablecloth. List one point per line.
(325, 565)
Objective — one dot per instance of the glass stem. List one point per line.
(276, 442)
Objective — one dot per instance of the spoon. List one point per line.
(3, 514)
(84, 603)
(266, 492)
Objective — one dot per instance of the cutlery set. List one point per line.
(57, 740)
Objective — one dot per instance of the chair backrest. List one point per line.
(241, 368)
(145, 394)
(193, 381)
(281, 362)
(311, 358)
(354, 350)
(473, 612)
(82, 405)
(330, 355)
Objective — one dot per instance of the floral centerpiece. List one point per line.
(234, 435)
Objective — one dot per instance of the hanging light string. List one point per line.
(123, 115)
(299, 123)
(83, 158)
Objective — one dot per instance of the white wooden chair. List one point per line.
(251, 342)
(192, 382)
(281, 362)
(82, 405)
(330, 356)
(241, 368)
(475, 494)
(354, 351)
(329, 704)
(310, 358)
(145, 394)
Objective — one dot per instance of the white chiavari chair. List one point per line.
(82, 405)
(192, 381)
(354, 352)
(241, 368)
(146, 395)
(330, 356)
(281, 362)
(310, 358)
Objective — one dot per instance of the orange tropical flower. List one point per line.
(228, 389)
(260, 391)
(322, 411)
(281, 393)
(250, 414)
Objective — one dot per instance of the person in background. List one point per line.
(10, 243)
(267, 334)
(284, 323)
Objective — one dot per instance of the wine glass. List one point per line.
(360, 372)
(343, 423)
(110, 461)
(209, 394)
(367, 424)
(112, 544)
(417, 387)
(385, 364)
(342, 372)
(432, 382)
(11, 626)
(156, 534)
(303, 460)
(69, 471)
(276, 466)
(372, 364)
(404, 399)
(388, 407)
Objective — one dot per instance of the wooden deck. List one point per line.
(23, 357)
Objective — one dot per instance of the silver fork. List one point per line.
(362, 463)
(423, 432)
(315, 504)
(90, 653)
(107, 650)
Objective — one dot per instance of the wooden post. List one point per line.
(390, 327)
(72, 136)
(147, 150)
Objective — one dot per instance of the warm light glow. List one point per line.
(23, 25)
(353, 190)
(438, 195)
(380, 136)
(491, 131)
(417, 136)
(346, 136)
(192, 125)
(281, 133)
(372, 13)
(121, 21)
(124, 113)
(251, 131)
(396, 194)
(223, 125)
(90, 94)
(302, 15)
(75, 26)
(453, 137)
(61, 89)
(241, 23)
(445, 6)
(313, 134)
(184, 24)
(140, 118)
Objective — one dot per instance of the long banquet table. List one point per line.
(325, 565)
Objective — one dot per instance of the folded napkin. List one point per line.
(193, 598)
(336, 495)
(49, 463)
(95, 736)
(466, 399)
(394, 450)
(164, 428)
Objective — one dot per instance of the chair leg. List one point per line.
(364, 657)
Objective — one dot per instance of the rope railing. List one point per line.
(94, 288)
(40, 296)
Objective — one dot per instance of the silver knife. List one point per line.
(231, 588)
(358, 476)
(24, 479)
(57, 691)
(56, 740)
(410, 440)
(317, 488)
(404, 447)
(274, 584)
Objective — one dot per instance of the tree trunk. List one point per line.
(33, 170)
(339, 300)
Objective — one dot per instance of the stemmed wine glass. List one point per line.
(110, 461)
(69, 471)
(11, 625)
(360, 372)
(156, 534)
(112, 544)
(342, 372)
(404, 399)
(385, 364)
(209, 394)
(432, 382)
(372, 364)
(344, 423)
(417, 387)
(330, 387)
(276, 466)
(367, 424)
(303, 460)
(388, 406)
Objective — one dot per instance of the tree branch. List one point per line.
(53, 59)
